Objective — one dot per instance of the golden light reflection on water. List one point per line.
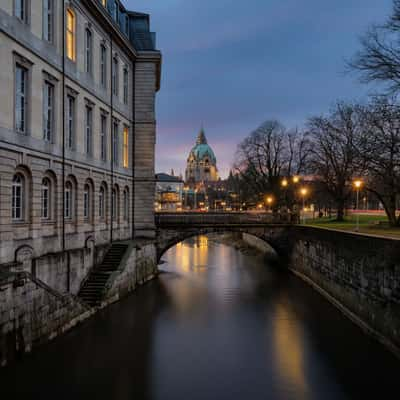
(188, 258)
(288, 345)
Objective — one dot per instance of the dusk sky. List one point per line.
(233, 64)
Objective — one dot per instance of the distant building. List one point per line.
(201, 163)
(169, 189)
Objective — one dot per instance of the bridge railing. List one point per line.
(226, 218)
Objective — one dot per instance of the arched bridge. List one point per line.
(173, 228)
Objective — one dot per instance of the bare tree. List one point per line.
(379, 148)
(379, 57)
(269, 153)
(334, 159)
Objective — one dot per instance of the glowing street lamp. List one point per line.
(284, 182)
(358, 183)
(270, 200)
(296, 179)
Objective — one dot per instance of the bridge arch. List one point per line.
(168, 238)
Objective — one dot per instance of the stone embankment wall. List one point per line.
(34, 311)
(360, 274)
(136, 268)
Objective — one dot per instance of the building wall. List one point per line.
(34, 158)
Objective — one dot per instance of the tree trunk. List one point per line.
(340, 203)
(390, 209)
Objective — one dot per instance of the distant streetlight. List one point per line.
(284, 182)
(296, 179)
(304, 192)
(358, 185)
(270, 200)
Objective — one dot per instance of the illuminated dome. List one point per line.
(201, 163)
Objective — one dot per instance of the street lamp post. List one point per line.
(303, 192)
(357, 184)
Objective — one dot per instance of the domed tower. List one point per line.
(201, 163)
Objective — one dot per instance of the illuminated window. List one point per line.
(104, 2)
(71, 35)
(126, 147)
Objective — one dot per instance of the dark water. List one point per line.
(218, 324)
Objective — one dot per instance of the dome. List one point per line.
(203, 150)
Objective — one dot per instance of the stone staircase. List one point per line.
(92, 290)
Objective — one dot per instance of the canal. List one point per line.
(218, 323)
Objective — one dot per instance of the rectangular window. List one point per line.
(103, 137)
(48, 26)
(48, 111)
(115, 76)
(21, 97)
(126, 85)
(126, 147)
(70, 121)
(70, 35)
(88, 51)
(21, 10)
(103, 66)
(115, 142)
(88, 129)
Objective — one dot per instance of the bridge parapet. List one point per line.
(214, 219)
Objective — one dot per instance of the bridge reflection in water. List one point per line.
(218, 324)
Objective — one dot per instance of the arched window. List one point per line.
(102, 208)
(86, 202)
(18, 198)
(68, 201)
(126, 205)
(70, 35)
(45, 199)
(115, 206)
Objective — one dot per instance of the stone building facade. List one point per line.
(78, 81)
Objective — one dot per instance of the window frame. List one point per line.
(48, 111)
(88, 51)
(89, 129)
(21, 98)
(18, 192)
(68, 200)
(115, 75)
(48, 30)
(103, 136)
(45, 203)
(126, 85)
(24, 9)
(115, 142)
(103, 65)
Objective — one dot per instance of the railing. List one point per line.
(226, 218)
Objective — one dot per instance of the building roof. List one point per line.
(202, 149)
(163, 177)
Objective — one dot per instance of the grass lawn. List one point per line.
(371, 224)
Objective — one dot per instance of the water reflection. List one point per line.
(217, 324)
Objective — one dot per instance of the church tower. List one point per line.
(201, 164)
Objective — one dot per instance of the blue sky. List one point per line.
(232, 64)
